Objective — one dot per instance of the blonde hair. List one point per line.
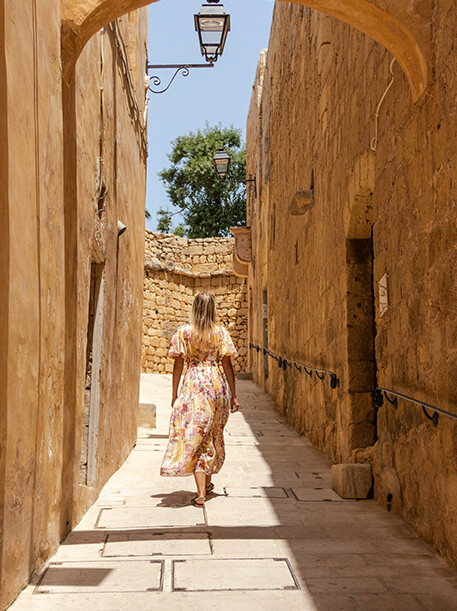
(202, 319)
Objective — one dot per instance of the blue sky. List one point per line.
(217, 95)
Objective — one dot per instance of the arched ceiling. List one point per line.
(402, 27)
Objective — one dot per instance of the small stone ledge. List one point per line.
(352, 481)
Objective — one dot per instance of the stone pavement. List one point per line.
(273, 536)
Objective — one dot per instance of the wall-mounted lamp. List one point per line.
(121, 228)
(212, 24)
(221, 162)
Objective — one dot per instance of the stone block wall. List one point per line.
(176, 269)
(314, 285)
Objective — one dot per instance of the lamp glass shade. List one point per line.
(221, 162)
(212, 24)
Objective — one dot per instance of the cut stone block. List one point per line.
(352, 481)
(147, 415)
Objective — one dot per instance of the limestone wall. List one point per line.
(318, 262)
(70, 355)
(176, 269)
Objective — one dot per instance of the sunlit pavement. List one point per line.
(273, 536)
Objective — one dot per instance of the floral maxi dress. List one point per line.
(200, 413)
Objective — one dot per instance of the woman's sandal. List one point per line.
(195, 502)
(209, 488)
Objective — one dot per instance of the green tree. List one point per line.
(164, 220)
(180, 230)
(164, 224)
(209, 207)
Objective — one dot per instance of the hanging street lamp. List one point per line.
(212, 24)
(221, 162)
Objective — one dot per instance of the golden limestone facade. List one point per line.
(72, 163)
(354, 251)
(175, 270)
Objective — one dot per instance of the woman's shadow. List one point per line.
(180, 498)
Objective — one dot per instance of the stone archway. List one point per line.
(81, 19)
(403, 30)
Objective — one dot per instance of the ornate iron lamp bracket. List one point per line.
(183, 68)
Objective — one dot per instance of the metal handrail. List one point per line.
(284, 362)
(380, 393)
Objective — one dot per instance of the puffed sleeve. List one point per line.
(177, 345)
(227, 347)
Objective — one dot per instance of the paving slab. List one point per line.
(315, 494)
(245, 574)
(273, 535)
(157, 543)
(252, 492)
(147, 517)
(98, 577)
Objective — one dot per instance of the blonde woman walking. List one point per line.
(200, 412)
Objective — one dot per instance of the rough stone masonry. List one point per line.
(175, 270)
(354, 252)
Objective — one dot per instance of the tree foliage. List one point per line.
(209, 207)
(164, 220)
(164, 223)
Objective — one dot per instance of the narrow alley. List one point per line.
(272, 536)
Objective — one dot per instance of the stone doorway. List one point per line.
(361, 331)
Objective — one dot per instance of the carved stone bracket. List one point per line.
(240, 269)
(242, 251)
(243, 248)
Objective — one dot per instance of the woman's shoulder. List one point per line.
(221, 331)
(184, 329)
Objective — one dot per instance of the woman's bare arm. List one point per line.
(230, 375)
(177, 371)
